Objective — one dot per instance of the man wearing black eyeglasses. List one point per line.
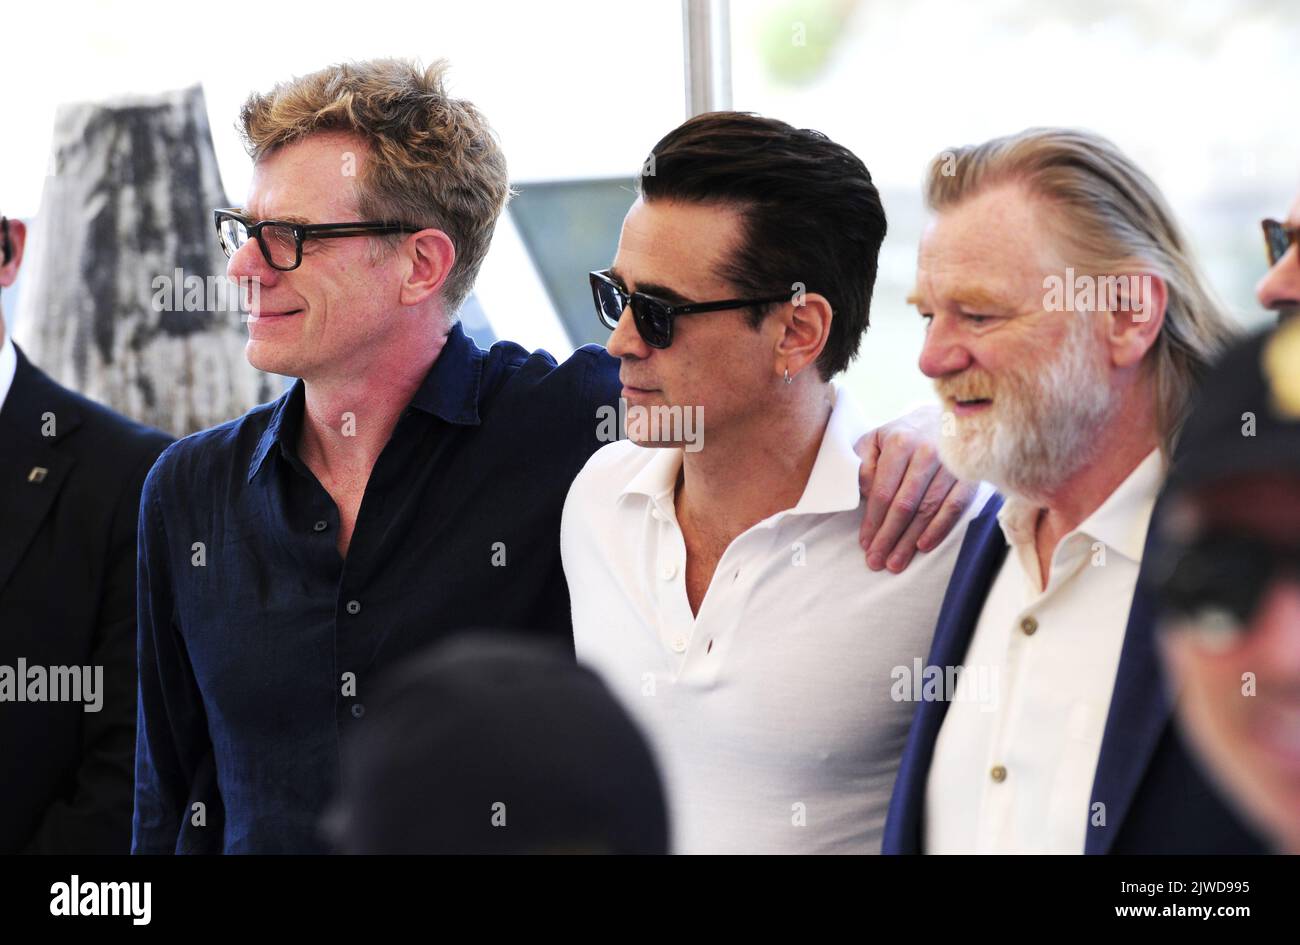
(409, 484)
(70, 477)
(1279, 290)
(1229, 580)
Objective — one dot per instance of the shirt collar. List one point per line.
(286, 418)
(832, 485)
(451, 388)
(8, 368)
(1120, 522)
(450, 391)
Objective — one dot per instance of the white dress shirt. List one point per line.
(1015, 776)
(772, 711)
(8, 367)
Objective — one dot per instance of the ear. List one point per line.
(1135, 322)
(804, 326)
(17, 240)
(430, 254)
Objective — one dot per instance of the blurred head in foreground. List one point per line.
(1230, 579)
(496, 744)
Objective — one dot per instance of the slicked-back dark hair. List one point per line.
(812, 217)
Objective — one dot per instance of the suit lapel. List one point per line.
(33, 470)
(1139, 711)
(982, 552)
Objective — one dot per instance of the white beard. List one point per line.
(1041, 426)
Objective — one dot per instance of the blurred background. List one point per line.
(1199, 92)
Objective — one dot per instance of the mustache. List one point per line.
(971, 384)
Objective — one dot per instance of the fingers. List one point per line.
(868, 450)
(903, 502)
(940, 488)
(891, 471)
(954, 507)
(906, 547)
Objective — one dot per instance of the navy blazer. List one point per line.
(1156, 799)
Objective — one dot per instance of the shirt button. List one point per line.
(358, 710)
(656, 515)
(354, 607)
(1029, 625)
(321, 525)
(679, 644)
(998, 774)
(669, 572)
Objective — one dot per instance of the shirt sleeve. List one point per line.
(172, 740)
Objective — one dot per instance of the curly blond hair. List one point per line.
(433, 161)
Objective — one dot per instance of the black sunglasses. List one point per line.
(1279, 237)
(653, 316)
(281, 242)
(1218, 581)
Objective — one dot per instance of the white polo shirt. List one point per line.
(1018, 779)
(773, 712)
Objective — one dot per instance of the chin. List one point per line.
(1019, 461)
(968, 452)
(266, 357)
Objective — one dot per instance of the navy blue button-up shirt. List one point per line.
(258, 643)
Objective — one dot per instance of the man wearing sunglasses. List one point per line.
(717, 586)
(71, 471)
(409, 484)
(1229, 580)
(1279, 290)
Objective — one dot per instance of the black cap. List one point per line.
(1246, 416)
(494, 743)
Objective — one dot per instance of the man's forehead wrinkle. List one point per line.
(300, 182)
(995, 253)
(975, 289)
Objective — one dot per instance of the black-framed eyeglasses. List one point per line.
(281, 242)
(1279, 237)
(1217, 582)
(652, 316)
(8, 250)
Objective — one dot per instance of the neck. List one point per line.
(1119, 448)
(348, 417)
(756, 468)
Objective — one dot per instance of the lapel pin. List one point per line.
(37, 474)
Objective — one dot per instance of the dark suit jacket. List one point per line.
(67, 598)
(1157, 800)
